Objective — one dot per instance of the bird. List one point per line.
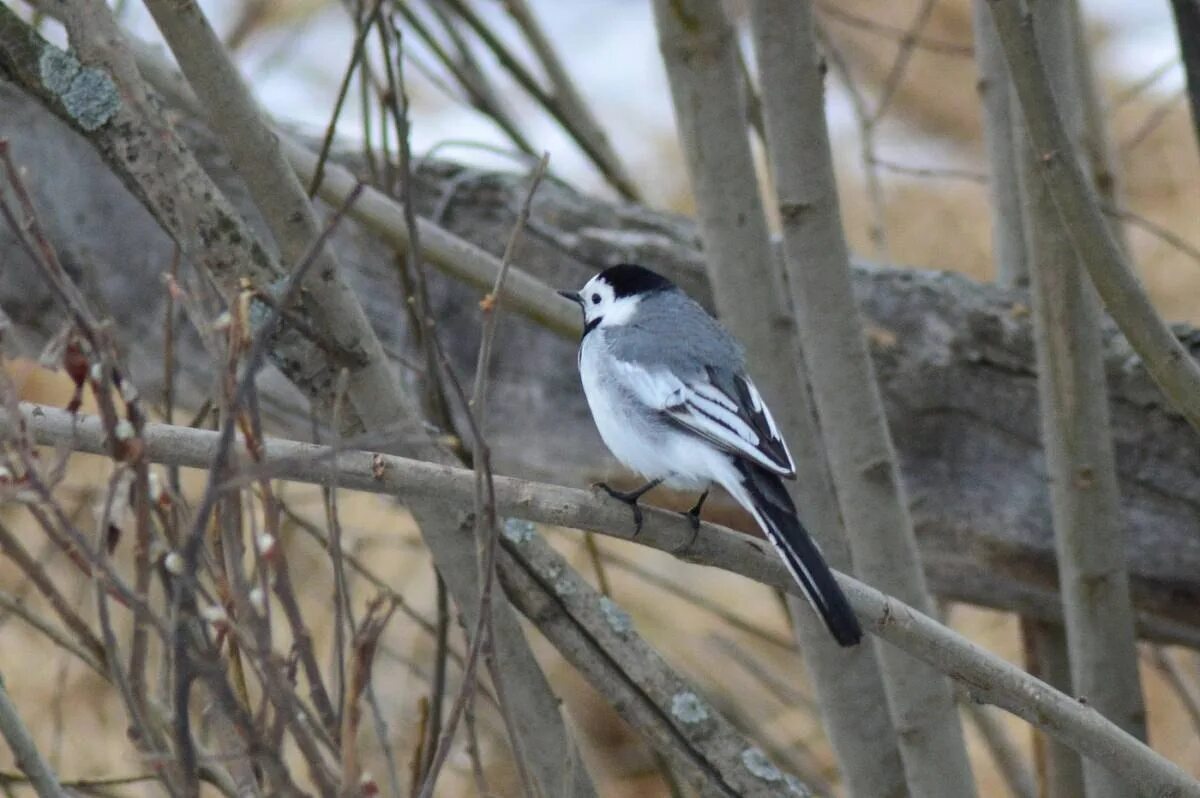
(667, 387)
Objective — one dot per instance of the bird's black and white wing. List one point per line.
(721, 406)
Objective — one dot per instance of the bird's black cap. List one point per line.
(628, 279)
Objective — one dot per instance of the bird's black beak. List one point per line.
(572, 295)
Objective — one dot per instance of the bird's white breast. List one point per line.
(637, 435)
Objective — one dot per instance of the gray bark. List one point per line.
(707, 86)
(1177, 375)
(863, 461)
(1060, 769)
(997, 102)
(1075, 422)
(24, 750)
(954, 359)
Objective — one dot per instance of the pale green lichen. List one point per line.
(57, 69)
(757, 763)
(617, 618)
(92, 99)
(688, 707)
(518, 530)
(89, 95)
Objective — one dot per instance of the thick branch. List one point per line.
(1077, 435)
(1176, 374)
(988, 678)
(708, 85)
(870, 486)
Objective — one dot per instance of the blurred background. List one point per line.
(912, 183)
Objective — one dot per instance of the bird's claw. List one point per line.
(631, 498)
(694, 513)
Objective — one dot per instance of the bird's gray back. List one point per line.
(671, 330)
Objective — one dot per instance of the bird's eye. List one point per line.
(595, 299)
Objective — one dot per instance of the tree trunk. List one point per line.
(1076, 432)
(863, 462)
(703, 67)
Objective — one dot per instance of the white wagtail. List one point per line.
(668, 390)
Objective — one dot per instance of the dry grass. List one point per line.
(936, 223)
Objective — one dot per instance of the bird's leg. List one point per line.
(631, 498)
(694, 513)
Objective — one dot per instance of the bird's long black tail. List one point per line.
(768, 501)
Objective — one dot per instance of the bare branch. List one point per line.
(862, 458)
(25, 751)
(1176, 374)
(707, 78)
(1187, 27)
(987, 677)
(1074, 412)
(999, 128)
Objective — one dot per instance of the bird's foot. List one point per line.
(693, 517)
(631, 497)
(694, 514)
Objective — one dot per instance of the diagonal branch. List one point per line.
(25, 751)
(988, 678)
(1124, 296)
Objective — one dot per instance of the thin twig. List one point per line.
(936, 172)
(185, 585)
(576, 122)
(908, 43)
(485, 502)
(437, 683)
(1182, 683)
(1161, 232)
(1135, 89)
(1153, 121)
(14, 606)
(877, 229)
(356, 55)
(37, 576)
(928, 43)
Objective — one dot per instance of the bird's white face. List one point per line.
(601, 306)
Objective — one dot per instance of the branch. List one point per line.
(1167, 361)
(698, 742)
(1077, 434)
(25, 752)
(708, 84)
(1009, 257)
(988, 678)
(862, 459)
(384, 217)
(258, 156)
(1187, 27)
